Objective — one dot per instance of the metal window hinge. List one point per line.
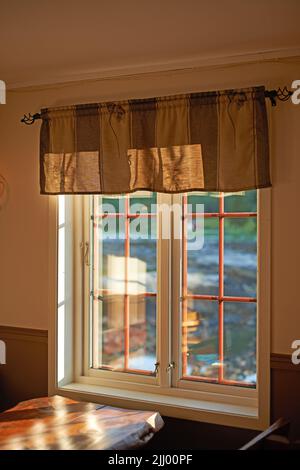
(86, 252)
(171, 366)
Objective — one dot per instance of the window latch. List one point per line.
(171, 366)
(156, 365)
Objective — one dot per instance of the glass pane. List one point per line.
(203, 263)
(109, 282)
(61, 265)
(110, 255)
(110, 205)
(209, 200)
(61, 353)
(124, 274)
(240, 341)
(142, 262)
(240, 257)
(142, 333)
(61, 210)
(143, 203)
(201, 340)
(244, 201)
(110, 347)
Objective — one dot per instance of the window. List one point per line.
(167, 297)
(124, 284)
(219, 290)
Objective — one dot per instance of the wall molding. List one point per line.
(283, 362)
(197, 63)
(23, 334)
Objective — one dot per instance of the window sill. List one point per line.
(183, 408)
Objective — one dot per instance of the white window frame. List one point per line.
(216, 403)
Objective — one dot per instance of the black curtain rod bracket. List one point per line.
(281, 94)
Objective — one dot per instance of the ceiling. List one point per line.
(57, 40)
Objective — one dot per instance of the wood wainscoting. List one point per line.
(285, 391)
(25, 374)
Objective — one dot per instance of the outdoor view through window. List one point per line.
(218, 284)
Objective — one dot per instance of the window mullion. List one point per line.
(221, 287)
(176, 291)
(126, 295)
(79, 279)
(163, 296)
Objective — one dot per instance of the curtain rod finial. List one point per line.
(30, 118)
(281, 94)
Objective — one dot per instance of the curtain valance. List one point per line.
(212, 141)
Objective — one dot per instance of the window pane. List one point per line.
(203, 264)
(110, 205)
(240, 341)
(61, 265)
(110, 347)
(244, 201)
(142, 262)
(142, 333)
(61, 210)
(110, 255)
(240, 257)
(200, 339)
(200, 280)
(209, 200)
(61, 321)
(143, 203)
(124, 279)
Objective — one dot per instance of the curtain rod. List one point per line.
(282, 94)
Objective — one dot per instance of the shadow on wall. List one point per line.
(192, 435)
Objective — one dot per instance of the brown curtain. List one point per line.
(215, 141)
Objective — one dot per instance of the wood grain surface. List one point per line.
(60, 423)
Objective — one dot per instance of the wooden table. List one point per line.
(61, 423)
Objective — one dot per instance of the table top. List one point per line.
(63, 424)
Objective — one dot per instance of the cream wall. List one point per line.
(24, 228)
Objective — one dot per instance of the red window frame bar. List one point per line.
(221, 215)
(99, 293)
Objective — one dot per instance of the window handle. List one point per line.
(86, 252)
(171, 366)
